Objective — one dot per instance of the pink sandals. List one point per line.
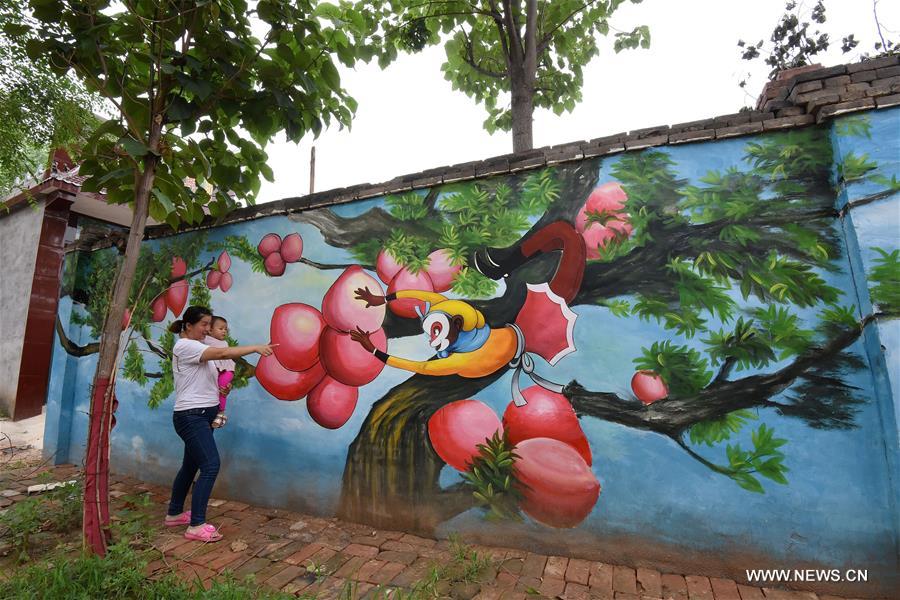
(183, 519)
(206, 533)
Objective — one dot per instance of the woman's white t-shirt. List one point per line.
(195, 381)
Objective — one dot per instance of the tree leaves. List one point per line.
(493, 480)
(683, 369)
(793, 43)
(39, 109)
(745, 345)
(408, 207)
(719, 430)
(133, 367)
(852, 168)
(765, 460)
(195, 70)
(884, 278)
(484, 57)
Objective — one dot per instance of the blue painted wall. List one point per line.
(660, 503)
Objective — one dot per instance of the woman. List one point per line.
(196, 405)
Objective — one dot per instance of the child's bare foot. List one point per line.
(219, 421)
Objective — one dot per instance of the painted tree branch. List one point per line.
(71, 347)
(328, 266)
(673, 416)
(346, 232)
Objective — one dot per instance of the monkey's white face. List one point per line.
(437, 327)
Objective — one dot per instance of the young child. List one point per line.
(218, 332)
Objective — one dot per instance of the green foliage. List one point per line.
(794, 44)
(95, 279)
(854, 126)
(242, 372)
(892, 184)
(854, 168)
(483, 213)
(695, 291)
(239, 247)
(120, 574)
(686, 322)
(782, 279)
(98, 276)
(683, 369)
(781, 330)
(539, 190)
(57, 509)
(764, 460)
(133, 368)
(39, 110)
(719, 430)
(492, 479)
(790, 156)
(467, 216)
(745, 345)
(19, 523)
(465, 566)
(885, 275)
(408, 250)
(366, 252)
(469, 283)
(165, 385)
(619, 308)
(480, 44)
(408, 207)
(200, 294)
(215, 90)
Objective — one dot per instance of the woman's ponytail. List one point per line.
(191, 316)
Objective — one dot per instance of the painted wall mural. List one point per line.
(661, 346)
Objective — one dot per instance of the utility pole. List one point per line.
(312, 170)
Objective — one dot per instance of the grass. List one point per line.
(466, 567)
(56, 510)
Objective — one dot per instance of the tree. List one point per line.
(39, 110)
(197, 95)
(535, 51)
(794, 45)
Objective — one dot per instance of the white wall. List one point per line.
(20, 233)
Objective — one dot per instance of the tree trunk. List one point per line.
(522, 114)
(95, 527)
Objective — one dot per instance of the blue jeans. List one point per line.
(194, 426)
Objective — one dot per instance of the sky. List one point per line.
(409, 119)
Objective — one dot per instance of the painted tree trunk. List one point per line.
(391, 464)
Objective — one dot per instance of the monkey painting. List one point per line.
(463, 342)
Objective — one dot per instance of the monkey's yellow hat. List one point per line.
(471, 316)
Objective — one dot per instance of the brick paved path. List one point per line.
(301, 554)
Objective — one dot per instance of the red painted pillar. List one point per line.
(37, 347)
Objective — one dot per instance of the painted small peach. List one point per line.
(648, 387)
